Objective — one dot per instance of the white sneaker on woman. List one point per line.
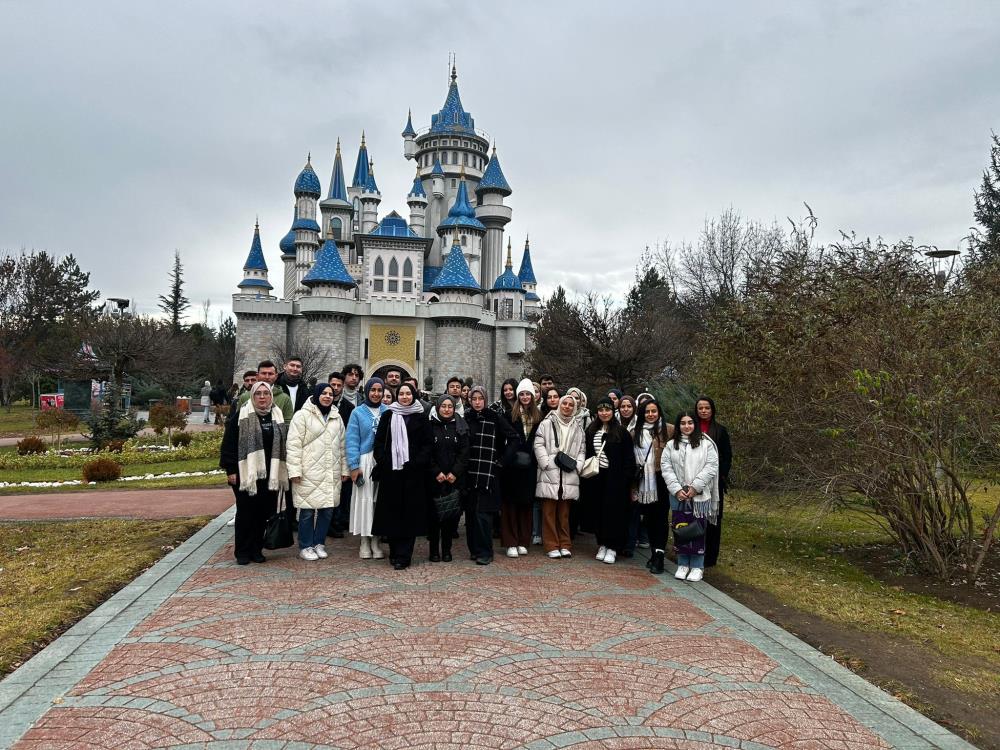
(682, 571)
(601, 552)
(565, 552)
(554, 554)
(308, 554)
(512, 552)
(377, 552)
(696, 574)
(320, 551)
(610, 557)
(366, 548)
(522, 550)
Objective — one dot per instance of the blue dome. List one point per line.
(436, 170)
(493, 179)
(306, 224)
(259, 283)
(329, 268)
(287, 244)
(455, 274)
(532, 297)
(507, 281)
(307, 182)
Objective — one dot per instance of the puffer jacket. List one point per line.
(553, 482)
(317, 454)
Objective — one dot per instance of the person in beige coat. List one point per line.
(317, 464)
(557, 488)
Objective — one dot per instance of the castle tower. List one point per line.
(370, 198)
(255, 281)
(417, 201)
(337, 209)
(307, 194)
(492, 212)
(409, 134)
(455, 282)
(329, 277)
(507, 294)
(526, 274)
(468, 231)
(358, 182)
(287, 247)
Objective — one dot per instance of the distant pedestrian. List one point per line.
(206, 400)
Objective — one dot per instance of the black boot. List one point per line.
(657, 560)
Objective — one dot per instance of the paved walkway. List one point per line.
(527, 653)
(179, 503)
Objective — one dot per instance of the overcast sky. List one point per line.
(140, 128)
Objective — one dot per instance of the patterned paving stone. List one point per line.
(725, 656)
(275, 634)
(671, 611)
(424, 657)
(567, 630)
(643, 743)
(781, 720)
(131, 659)
(183, 609)
(123, 728)
(420, 607)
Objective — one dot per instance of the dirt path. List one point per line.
(179, 503)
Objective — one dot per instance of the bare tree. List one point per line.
(317, 359)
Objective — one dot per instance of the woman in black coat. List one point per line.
(520, 474)
(705, 407)
(402, 455)
(449, 456)
(611, 489)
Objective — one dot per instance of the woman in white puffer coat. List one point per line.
(317, 465)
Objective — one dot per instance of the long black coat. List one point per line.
(713, 535)
(490, 436)
(517, 485)
(449, 454)
(401, 504)
(614, 481)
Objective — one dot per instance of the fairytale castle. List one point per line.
(434, 296)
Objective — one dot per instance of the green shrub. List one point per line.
(110, 422)
(181, 439)
(30, 444)
(57, 422)
(203, 445)
(101, 470)
(114, 446)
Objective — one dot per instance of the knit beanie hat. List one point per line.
(525, 386)
(604, 402)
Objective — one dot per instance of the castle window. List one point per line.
(377, 285)
(465, 241)
(336, 228)
(407, 286)
(393, 285)
(454, 157)
(496, 307)
(508, 309)
(454, 183)
(379, 269)
(408, 269)
(465, 159)
(393, 267)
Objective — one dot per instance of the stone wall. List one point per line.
(325, 340)
(462, 348)
(255, 339)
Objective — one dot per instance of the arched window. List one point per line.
(379, 267)
(464, 241)
(393, 267)
(378, 271)
(408, 269)
(336, 228)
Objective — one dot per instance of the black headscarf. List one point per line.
(317, 392)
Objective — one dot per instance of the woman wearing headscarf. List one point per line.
(253, 455)
(520, 474)
(690, 468)
(360, 441)
(489, 435)
(402, 454)
(652, 500)
(720, 436)
(448, 461)
(582, 414)
(505, 404)
(317, 466)
(559, 432)
(611, 445)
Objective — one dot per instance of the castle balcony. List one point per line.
(492, 214)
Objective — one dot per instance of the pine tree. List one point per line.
(986, 241)
(175, 303)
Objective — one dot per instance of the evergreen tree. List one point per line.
(986, 242)
(175, 303)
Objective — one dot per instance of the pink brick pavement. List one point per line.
(153, 504)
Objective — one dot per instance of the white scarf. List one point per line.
(645, 456)
(693, 460)
(400, 441)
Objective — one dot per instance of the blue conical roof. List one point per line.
(417, 191)
(493, 179)
(453, 117)
(408, 131)
(455, 273)
(307, 183)
(370, 186)
(287, 244)
(329, 268)
(255, 260)
(338, 186)
(361, 168)
(462, 214)
(526, 274)
(436, 170)
(507, 281)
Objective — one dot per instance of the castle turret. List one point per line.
(437, 179)
(417, 201)
(370, 198)
(329, 277)
(526, 274)
(467, 230)
(507, 293)
(255, 269)
(337, 209)
(492, 212)
(307, 193)
(455, 282)
(358, 183)
(409, 137)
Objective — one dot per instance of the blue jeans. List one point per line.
(691, 561)
(313, 525)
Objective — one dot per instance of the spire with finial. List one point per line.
(255, 269)
(307, 182)
(510, 263)
(408, 131)
(493, 178)
(370, 186)
(526, 273)
(361, 167)
(508, 280)
(338, 185)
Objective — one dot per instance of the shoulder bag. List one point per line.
(592, 466)
(448, 506)
(640, 470)
(563, 460)
(277, 531)
(686, 532)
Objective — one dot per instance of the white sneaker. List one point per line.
(308, 554)
(512, 552)
(320, 551)
(554, 554)
(522, 550)
(536, 540)
(611, 557)
(377, 552)
(601, 552)
(366, 548)
(565, 552)
(231, 521)
(696, 574)
(682, 571)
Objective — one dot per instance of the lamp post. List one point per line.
(940, 258)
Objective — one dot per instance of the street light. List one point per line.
(939, 259)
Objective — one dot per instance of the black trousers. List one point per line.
(611, 517)
(342, 513)
(713, 537)
(655, 517)
(479, 523)
(401, 549)
(252, 512)
(441, 533)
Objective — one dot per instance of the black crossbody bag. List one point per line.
(563, 460)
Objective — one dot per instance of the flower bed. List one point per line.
(203, 445)
(134, 478)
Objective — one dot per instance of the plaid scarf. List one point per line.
(483, 453)
(250, 451)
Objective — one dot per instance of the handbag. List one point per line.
(687, 532)
(563, 460)
(592, 466)
(277, 530)
(522, 460)
(448, 506)
(640, 470)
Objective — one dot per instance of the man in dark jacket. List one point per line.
(342, 513)
(294, 383)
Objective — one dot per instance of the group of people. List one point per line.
(388, 465)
